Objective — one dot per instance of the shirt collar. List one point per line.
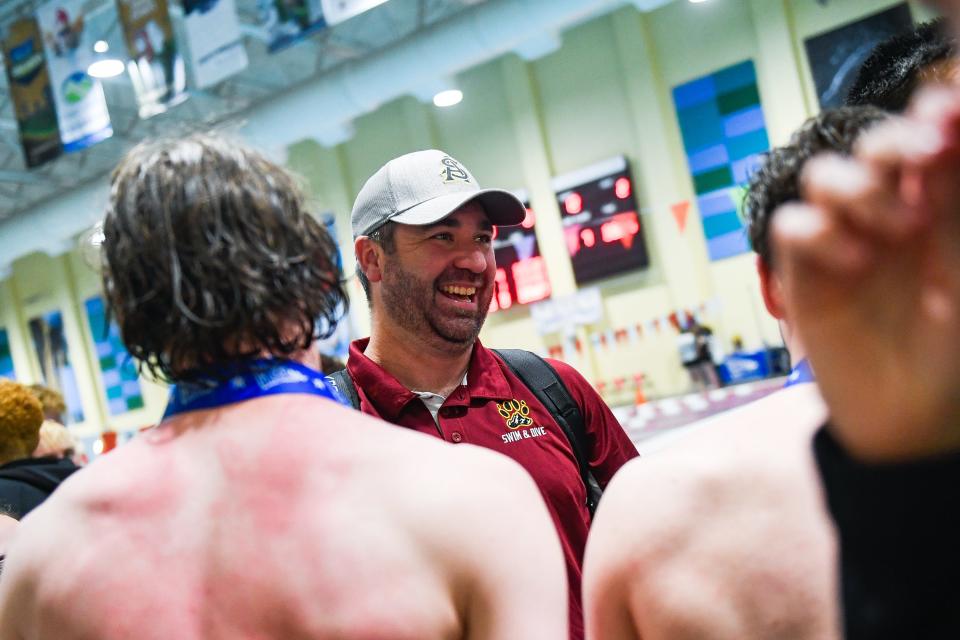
(486, 377)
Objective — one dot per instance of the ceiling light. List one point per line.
(107, 68)
(101, 46)
(448, 98)
(697, 1)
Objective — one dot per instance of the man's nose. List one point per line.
(474, 259)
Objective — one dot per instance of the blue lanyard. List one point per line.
(800, 374)
(262, 378)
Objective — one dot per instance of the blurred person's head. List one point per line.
(55, 440)
(898, 66)
(777, 182)
(21, 415)
(210, 258)
(54, 407)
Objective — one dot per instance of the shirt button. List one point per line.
(456, 436)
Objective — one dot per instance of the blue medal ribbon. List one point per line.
(261, 378)
(801, 373)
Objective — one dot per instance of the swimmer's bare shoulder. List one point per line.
(723, 535)
(289, 519)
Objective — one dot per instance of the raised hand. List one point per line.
(871, 268)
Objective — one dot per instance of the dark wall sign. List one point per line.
(837, 55)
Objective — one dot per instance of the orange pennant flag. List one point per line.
(680, 211)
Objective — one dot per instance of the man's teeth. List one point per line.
(459, 291)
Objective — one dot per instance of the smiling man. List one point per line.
(423, 233)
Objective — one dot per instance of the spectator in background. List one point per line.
(898, 66)
(724, 535)
(57, 441)
(260, 507)
(25, 481)
(54, 407)
(696, 354)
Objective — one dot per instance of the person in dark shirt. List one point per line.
(25, 482)
(423, 233)
(871, 272)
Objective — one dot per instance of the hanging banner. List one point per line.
(30, 92)
(336, 11)
(214, 42)
(289, 21)
(78, 98)
(156, 66)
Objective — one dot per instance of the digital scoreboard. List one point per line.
(521, 270)
(601, 221)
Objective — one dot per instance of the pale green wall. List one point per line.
(605, 92)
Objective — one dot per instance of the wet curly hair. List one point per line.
(777, 181)
(899, 65)
(21, 415)
(210, 258)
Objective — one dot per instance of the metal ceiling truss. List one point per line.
(267, 76)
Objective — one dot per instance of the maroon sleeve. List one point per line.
(610, 448)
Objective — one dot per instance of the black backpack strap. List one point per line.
(343, 383)
(546, 385)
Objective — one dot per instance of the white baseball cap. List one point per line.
(424, 187)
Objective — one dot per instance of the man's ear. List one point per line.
(369, 257)
(770, 289)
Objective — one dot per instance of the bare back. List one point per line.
(283, 517)
(724, 535)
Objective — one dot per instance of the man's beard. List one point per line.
(410, 302)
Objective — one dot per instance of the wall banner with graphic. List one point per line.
(286, 22)
(30, 91)
(724, 133)
(6, 358)
(50, 345)
(117, 370)
(156, 67)
(78, 98)
(214, 41)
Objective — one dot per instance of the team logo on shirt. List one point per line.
(516, 413)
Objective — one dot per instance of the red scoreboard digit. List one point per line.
(601, 221)
(521, 271)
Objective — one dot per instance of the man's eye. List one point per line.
(443, 236)
(485, 239)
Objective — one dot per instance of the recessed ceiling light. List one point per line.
(101, 46)
(106, 68)
(697, 1)
(448, 98)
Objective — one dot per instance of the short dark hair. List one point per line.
(385, 237)
(777, 181)
(210, 258)
(897, 66)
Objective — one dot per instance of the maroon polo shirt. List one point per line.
(484, 412)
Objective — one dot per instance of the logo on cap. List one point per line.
(453, 171)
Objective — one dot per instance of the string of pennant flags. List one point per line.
(613, 337)
(632, 334)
